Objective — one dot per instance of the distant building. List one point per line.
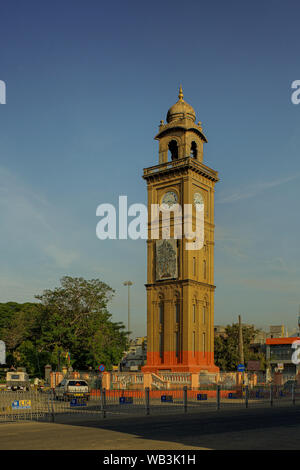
(276, 331)
(136, 356)
(219, 330)
(258, 343)
(293, 332)
(279, 353)
(259, 338)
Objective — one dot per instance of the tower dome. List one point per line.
(181, 110)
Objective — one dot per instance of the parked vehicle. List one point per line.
(17, 380)
(72, 388)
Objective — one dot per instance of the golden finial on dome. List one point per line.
(180, 96)
(181, 110)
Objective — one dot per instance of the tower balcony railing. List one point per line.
(181, 162)
(166, 166)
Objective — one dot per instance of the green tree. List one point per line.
(75, 318)
(71, 318)
(226, 348)
(7, 311)
(18, 325)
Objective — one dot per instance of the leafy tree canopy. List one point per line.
(226, 348)
(72, 318)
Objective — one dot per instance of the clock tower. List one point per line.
(180, 281)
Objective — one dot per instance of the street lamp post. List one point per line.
(128, 284)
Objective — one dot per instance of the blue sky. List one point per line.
(87, 84)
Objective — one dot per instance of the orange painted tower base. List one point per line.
(189, 363)
(180, 277)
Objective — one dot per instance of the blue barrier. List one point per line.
(261, 394)
(126, 400)
(77, 402)
(201, 396)
(167, 398)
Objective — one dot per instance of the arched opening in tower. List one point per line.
(194, 150)
(173, 148)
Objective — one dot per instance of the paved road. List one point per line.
(235, 429)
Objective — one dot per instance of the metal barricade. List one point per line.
(45, 406)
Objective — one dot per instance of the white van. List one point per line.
(72, 388)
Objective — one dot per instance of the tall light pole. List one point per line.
(241, 342)
(241, 347)
(128, 284)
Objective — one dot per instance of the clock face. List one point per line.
(198, 199)
(170, 198)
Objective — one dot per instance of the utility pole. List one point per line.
(241, 347)
(128, 284)
(241, 344)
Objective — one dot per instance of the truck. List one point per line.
(17, 380)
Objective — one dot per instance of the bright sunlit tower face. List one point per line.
(180, 282)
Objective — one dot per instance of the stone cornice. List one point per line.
(179, 166)
(181, 282)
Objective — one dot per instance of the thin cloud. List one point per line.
(286, 286)
(255, 189)
(28, 221)
(63, 258)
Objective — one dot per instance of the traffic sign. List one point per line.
(21, 404)
(76, 402)
(241, 367)
(166, 398)
(201, 396)
(101, 367)
(126, 400)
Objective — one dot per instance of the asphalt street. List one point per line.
(265, 428)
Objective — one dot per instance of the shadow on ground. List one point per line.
(267, 428)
